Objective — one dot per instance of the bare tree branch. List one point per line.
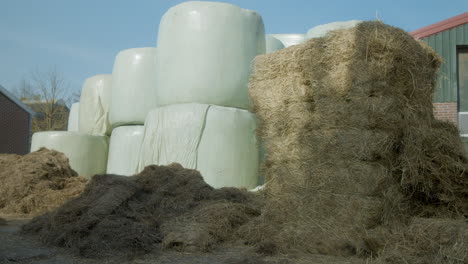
(48, 94)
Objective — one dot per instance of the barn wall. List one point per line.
(445, 44)
(14, 127)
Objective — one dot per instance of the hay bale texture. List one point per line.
(36, 183)
(163, 205)
(351, 141)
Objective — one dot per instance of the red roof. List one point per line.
(440, 26)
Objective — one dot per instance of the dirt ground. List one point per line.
(16, 248)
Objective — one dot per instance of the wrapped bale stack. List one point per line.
(86, 141)
(201, 78)
(132, 98)
(351, 142)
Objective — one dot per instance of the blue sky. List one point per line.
(80, 38)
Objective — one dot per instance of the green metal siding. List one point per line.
(445, 44)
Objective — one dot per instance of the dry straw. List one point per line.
(166, 205)
(36, 183)
(351, 142)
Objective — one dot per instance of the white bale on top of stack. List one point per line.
(87, 153)
(202, 70)
(273, 44)
(322, 30)
(289, 39)
(73, 118)
(218, 141)
(124, 150)
(94, 105)
(204, 54)
(133, 86)
(132, 98)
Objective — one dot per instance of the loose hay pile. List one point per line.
(166, 205)
(353, 149)
(36, 183)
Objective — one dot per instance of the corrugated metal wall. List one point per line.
(445, 44)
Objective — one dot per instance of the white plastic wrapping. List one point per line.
(228, 153)
(73, 117)
(289, 39)
(133, 92)
(204, 53)
(94, 105)
(172, 134)
(258, 188)
(322, 30)
(124, 149)
(218, 141)
(273, 44)
(87, 154)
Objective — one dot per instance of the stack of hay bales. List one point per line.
(351, 142)
(132, 97)
(87, 148)
(201, 79)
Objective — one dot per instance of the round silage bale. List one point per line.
(124, 148)
(133, 86)
(94, 105)
(322, 30)
(73, 117)
(204, 53)
(289, 39)
(228, 153)
(87, 153)
(218, 141)
(273, 44)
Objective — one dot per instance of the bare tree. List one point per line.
(48, 94)
(25, 91)
(53, 91)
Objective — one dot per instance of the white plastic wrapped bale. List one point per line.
(273, 44)
(218, 141)
(87, 153)
(124, 149)
(204, 54)
(322, 30)
(133, 92)
(73, 117)
(289, 39)
(94, 105)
